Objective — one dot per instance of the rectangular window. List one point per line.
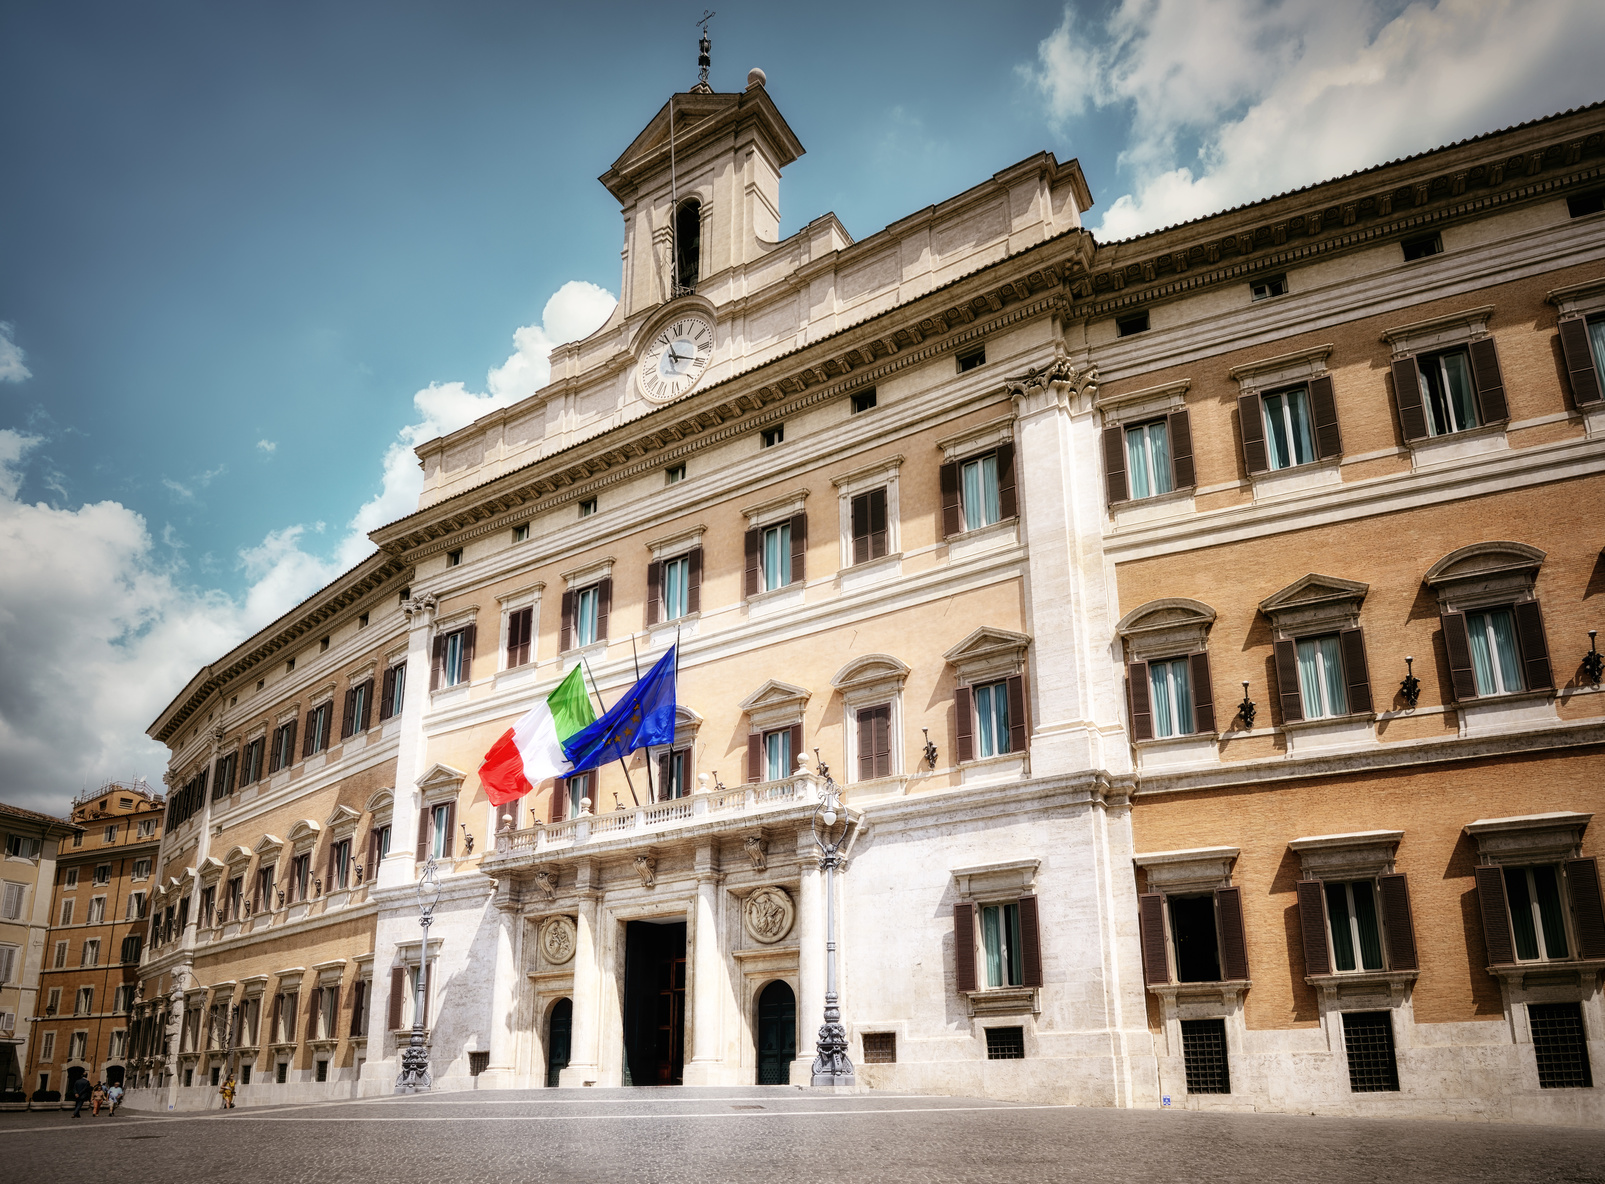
(141, 869)
(576, 788)
(208, 903)
(1560, 1046)
(47, 1047)
(11, 902)
(110, 836)
(992, 718)
(66, 912)
(769, 437)
(282, 1073)
(1289, 430)
(97, 911)
(1148, 459)
(283, 747)
(1495, 662)
(978, 479)
(587, 507)
(8, 963)
(972, 359)
(84, 1002)
(520, 636)
(874, 742)
(1005, 1044)
(223, 779)
(77, 1046)
(676, 587)
(321, 1073)
(70, 880)
(1320, 677)
(1420, 248)
(1203, 1051)
(586, 603)
(455, 670)
(119, 1044)
(339, 865)
(53, 1000)
(264, 888)
(301, 876)
(880, 1048)
(103, 873)
(777, 755)
(147, 828)
(1537, 917)
(60, 960)
(1137, 323)
(26, 847)
(130, 952)
(235, 897)
(395, 687)
(1368, 1040)
(1170, 694)
(1000, 937)
(674, 474)
(1266, 288)
(674, 774)
(1585, 204)
(454, 558)
(863, 401)
(381, 847)
(250, 763)
(1596, 346)
(440, 831)
(521, 533)
(776, 556)
(136, 907)
(1351, 914)
(868, 516)
(1193, 933)
(319, 720)
(358, 707)
(1448, 393)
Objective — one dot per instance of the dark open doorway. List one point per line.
(559, 1025)
(654, 1002)
(777, 1034)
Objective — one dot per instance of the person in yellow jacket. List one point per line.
(227, 1092)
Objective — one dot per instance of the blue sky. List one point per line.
(249, 254)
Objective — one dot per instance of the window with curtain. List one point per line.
(676, 581)
(1148, 459)
(1171, 698)
(992, 718)
(439, 835)
(1289, 432)
(1537, 917)
(454, 672)
(777, 762)
(1596, 342)
(1000, 936)
(674, 774)
(1495, 661)
(577, 787)
(1351, 915)
(1447, 394)
(978, 481)
(776, 556)
(1320, 677)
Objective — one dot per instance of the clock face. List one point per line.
(675, 358)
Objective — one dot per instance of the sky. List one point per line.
(252, 254)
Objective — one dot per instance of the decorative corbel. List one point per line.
(646, 866)
(758, 851)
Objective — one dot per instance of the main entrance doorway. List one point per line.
(654, 1002)
(558, 1028)
(777, 1034)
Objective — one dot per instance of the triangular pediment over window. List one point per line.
(268, 843)
(775, 704)
(989, 653)
(1315, 602)
(441, 777)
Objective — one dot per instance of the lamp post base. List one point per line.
(832, 1066)
(414, 1070)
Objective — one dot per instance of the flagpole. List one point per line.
(651, 789)
(603, 706)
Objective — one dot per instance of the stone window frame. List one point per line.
(1334, 606)
(1003, 882)
(407, 956)
(871, 680)
(528, 596)
(774, 512)
(445, 626)
(1493, 574)
(687, 723)
(1585, 302)
(341, 825)
(1438, 335)
(1168, 629)
(972, 442)
(305, 837)
(440, 785)
(1271, 376)
(883, 474)
(989, 655)
(252, 989)
(670, 547)
(380, 810)
(776, 706)
(267, 845)
(238, 863)
(330, 976)
(1133, 408)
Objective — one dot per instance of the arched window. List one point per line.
(687, 245)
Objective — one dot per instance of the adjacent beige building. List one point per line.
(27, 872)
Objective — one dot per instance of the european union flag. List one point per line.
(644, 717)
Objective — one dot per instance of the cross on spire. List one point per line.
(703, 46)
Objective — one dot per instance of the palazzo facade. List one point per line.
(987, 523)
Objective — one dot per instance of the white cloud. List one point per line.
(11, 367)
(1234, 100)
(267, 446)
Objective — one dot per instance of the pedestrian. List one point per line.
(97, 1099)
(80, 1091)
(227, 1090)
(114, 1095)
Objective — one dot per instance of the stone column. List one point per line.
(584, 1062)
(503, 1001)
(810, 932)
(397, 868)
(709, 983)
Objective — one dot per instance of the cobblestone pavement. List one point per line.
(708, 1136)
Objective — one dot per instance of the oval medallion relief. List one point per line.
(557, 940)
(768, 914)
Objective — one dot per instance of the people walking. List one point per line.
(114, 1096)
(80, 1091)
(227, 1090)
(97, 1099)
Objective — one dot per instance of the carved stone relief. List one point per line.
(557, 940)
(768, 915)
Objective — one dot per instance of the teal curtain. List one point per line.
(674, 588)
(981, 492)
(1494, 659)
(1596, 337)
(1462, 401)
(1320, 675)
(1148, 459)
(777, 755)
(1287, 429)
(777, 557)
(992, 938)
(1337, 911)
(1171, 697)
(584, 619)
(1521, 913)
(1365, 918)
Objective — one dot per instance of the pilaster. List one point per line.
(584, 1065)
(710, 982)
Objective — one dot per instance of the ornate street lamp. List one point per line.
(415, 1058)
(831, 1064)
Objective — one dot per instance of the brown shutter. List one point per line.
(1495, 915)
(755, 769)
(278, 1010)
(1114, 465)
(883, 743)
(1580, 368)
(879, 536)
(559, 799)
(1534, 646)
(952, 513)
(1490, 385)
(964, 946)
(387, 695)
(1151, 927)
(437, 662)
(470, 638)
(314, 1005)
(367, 706)
(866, 743)
(1323, 410)
(1233, 942)
(1397, 924)
(1182, 475)
(654, 591)
(1017, 729)
(312, 732)
(964, 732)
(1008, 499)
(1312, 927)
(1252, 422)
(359, 996)
(1588, 910)
(693, 582)
(799, 547)
(1140, 700)
(1407, 394)
(1030, 943)
(859, 515)
(398, 990)
(1287, 682)
(1203, 693)
(451, 827)
(348, 715)
(1355, 672)
(1457, 645)
(604, 606)
(796, 748)
(423, 834)
(565, 641)
(753, 548)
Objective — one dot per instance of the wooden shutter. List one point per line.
(952, 512)
(654, 591)
(1488, 381)
(877, 523)
(520, 636)
(1233, 942)
(1182, 475)
(437, 662)
(755, 769)
(1323, 410)
(314, 1006)
(604, 607)
(348, 716)
(398, 990)
(752, 546)
(1312, 927)
(312, 732)
(1580, 368)
(565, 641)
(367, 706)
(1114, 465)
(859, 516)
(799, 548)
(964, 732)
(1287, 682)
(1356, 673)
(1397, 924)
(423, 834)
(964, 946)
(359, 996)
(1588, 910)
(1495, 915)
(1017, 728)
(1008, 499)
(1140, 700)
(451, 828)
(465, 671)
(387, 695)
(1457, 646)
(1407, 395)
(278, 1011)
(796, 748)
(1030, 943)
(1534, 646)
(1255, 457)
(1203, 693)
(874, 743)
(559, 799)
(1151, 927)
(693, 581)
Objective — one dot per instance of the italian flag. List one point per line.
(532, 749)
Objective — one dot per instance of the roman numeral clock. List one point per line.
(675, 359)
